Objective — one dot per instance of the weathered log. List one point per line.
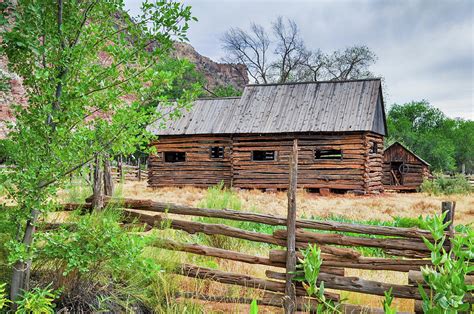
(407, 253)
(276, 300)
(242, 280)
(229, 255)
(150, 205)
(356, 284)
(416, 278)
(267, 299)
(211, 229)
(341, 252)
(214, 252)
(340, 239)
(401, 265)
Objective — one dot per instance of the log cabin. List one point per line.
(403, 170)
(246, 141)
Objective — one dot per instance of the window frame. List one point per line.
(174, 152)
(275, 155)
(316, 150)
(376, 146)
(218, 157)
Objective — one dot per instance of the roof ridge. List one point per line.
(218, 98)
(318, 82)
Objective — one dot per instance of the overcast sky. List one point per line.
(425, 48)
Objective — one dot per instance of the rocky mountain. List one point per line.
(216, 74)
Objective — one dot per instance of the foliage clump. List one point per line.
(308, 272)
(92, 261)
(446, 278)
(440, 185)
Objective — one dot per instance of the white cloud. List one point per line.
(424, 47)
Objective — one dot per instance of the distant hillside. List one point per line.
(216, 74)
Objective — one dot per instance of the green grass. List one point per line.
(404, 222)
(220, 197)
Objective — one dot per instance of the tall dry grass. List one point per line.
(381, 207)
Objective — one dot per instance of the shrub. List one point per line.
(220, 197)
(309, 267)
(446, 278)
(94, 262)
(387, 302)
(446, 185)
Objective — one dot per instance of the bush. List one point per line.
(94, 262)
(446, 277)
(446, 185)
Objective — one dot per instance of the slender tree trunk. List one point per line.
(108, 182)
(97, 190)
(120, 167)
(21, 269)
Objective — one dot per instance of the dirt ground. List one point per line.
(382, 207)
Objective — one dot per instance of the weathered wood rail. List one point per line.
(404, 247)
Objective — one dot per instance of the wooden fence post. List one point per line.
(139, 171)
(290, 292)
(449, 207)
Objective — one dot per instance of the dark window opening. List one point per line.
(374, 149)
(328, 154)
(260, 155)
(175, 156)
(217, 152)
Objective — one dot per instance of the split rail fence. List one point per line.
(404, 247)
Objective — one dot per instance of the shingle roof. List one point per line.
(335, 106)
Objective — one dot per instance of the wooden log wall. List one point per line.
(373, 168)
(337, 174)
(358, 170)
(199, 169)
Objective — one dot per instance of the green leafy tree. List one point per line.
(93, 76)
(425, 130)
(463, 138)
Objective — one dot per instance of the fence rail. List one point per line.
(404, 247)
